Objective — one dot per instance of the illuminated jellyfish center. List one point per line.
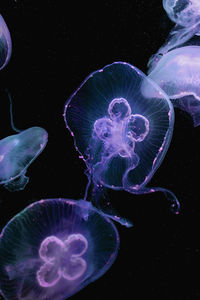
(121, 130)
(62, 259)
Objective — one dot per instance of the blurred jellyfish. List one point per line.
(121, 134)
(17, 152)
(54, 248)
(184, 12)
(5, 44)
(178, 74)
(186, 15)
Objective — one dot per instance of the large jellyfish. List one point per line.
(5, 44)
(54, 248)
(17, 152)
(121, 134)
(186, 15)
(178, 74)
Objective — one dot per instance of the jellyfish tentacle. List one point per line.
(11, 112)
(171, 197)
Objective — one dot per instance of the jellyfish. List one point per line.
(178, 74)
(5, 44)
(121, 134)
(17, 152)
(186, 15)
(183, 12)
(54, 248)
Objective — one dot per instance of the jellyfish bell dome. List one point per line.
(178, 73)
(17, 152)
(121, 133)
(183, 12)
(54, 248)
(5, 44)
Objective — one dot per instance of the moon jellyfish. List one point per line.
(17, 152)
(54, 248)
(186, 15)
(178, 74)
(121, 134)
(5, 44)
(183, 12)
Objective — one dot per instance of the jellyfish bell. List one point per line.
(17, 152)
(121, 134)
(183, 12)
(5, 44)
(178, 74)
(54, 248)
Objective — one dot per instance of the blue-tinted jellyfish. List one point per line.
(54, 248)
(121, 134)
(183, 12)
(17, 152)
(186, 15)
(178, 74)
(5, 44)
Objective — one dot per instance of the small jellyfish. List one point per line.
(17, 152)
(5, 44)
(121, 134)
(54, 248)
(178, 74)
(186, 15)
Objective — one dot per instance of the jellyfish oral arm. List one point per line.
(120, 130)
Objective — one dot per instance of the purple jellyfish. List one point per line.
(178, 74)
(54, 248)
(121, 134)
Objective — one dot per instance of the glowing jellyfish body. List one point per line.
(121, 134)
(17, 152)
(54, 248)
(5, 44)
(186, 15)
(183, 12)
(178, 74)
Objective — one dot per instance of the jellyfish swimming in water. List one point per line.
(17, 152)
(121, 134)
(178, 74)
(54, 248)
(5, 44)
(186, 15)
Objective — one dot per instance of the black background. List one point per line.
(56, 44)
